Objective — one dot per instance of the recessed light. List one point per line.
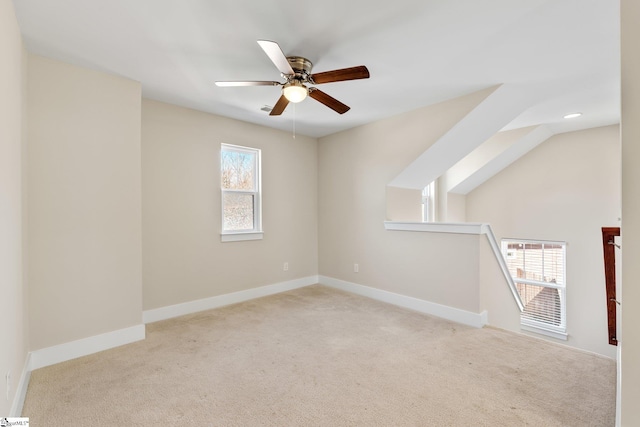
(572, 115)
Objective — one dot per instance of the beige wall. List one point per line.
(355, 168)
(495, 294)
(565, 189)
(13, 327)
(183, 257)
(84, 203)
(630, 328)
(404, 204)
(456, 208)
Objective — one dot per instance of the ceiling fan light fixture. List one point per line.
(295, 91)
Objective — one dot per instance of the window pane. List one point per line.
(238, 211)
(541, 304)
(542, 262)
(428, 203)
(238, 170)
(533, 256)
(514, 255)
(553, 263)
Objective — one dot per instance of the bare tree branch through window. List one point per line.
(239, 177)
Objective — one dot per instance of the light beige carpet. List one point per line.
(320, 357)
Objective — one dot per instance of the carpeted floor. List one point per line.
(320, 357)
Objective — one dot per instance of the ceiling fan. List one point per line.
(296, 70)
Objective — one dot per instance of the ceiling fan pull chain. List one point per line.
(294, 121)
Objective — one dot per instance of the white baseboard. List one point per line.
(171, 311)
(83, 347)
(476, 320)
(21, 390)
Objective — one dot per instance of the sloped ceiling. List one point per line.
(418, 52)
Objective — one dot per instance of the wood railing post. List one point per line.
(608, 246)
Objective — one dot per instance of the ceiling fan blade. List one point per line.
(227, 84)
(280, 106)
(329, 101)
(352, 73)
(275, 54)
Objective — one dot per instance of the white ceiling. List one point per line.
(418, 52)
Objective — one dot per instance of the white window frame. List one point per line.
(429, 202)
(530, 325)
(256, 232)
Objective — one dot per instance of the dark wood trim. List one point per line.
(608, 236)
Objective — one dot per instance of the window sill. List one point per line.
(541, 331)
(241, 236)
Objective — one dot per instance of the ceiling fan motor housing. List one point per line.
(301, 66)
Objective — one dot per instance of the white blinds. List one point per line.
(538, 269)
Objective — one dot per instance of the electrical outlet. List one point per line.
(356, 268)
(285, 267)
(8, 378)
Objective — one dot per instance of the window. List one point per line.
(428, 202)
(240, 183)
(538, 270)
